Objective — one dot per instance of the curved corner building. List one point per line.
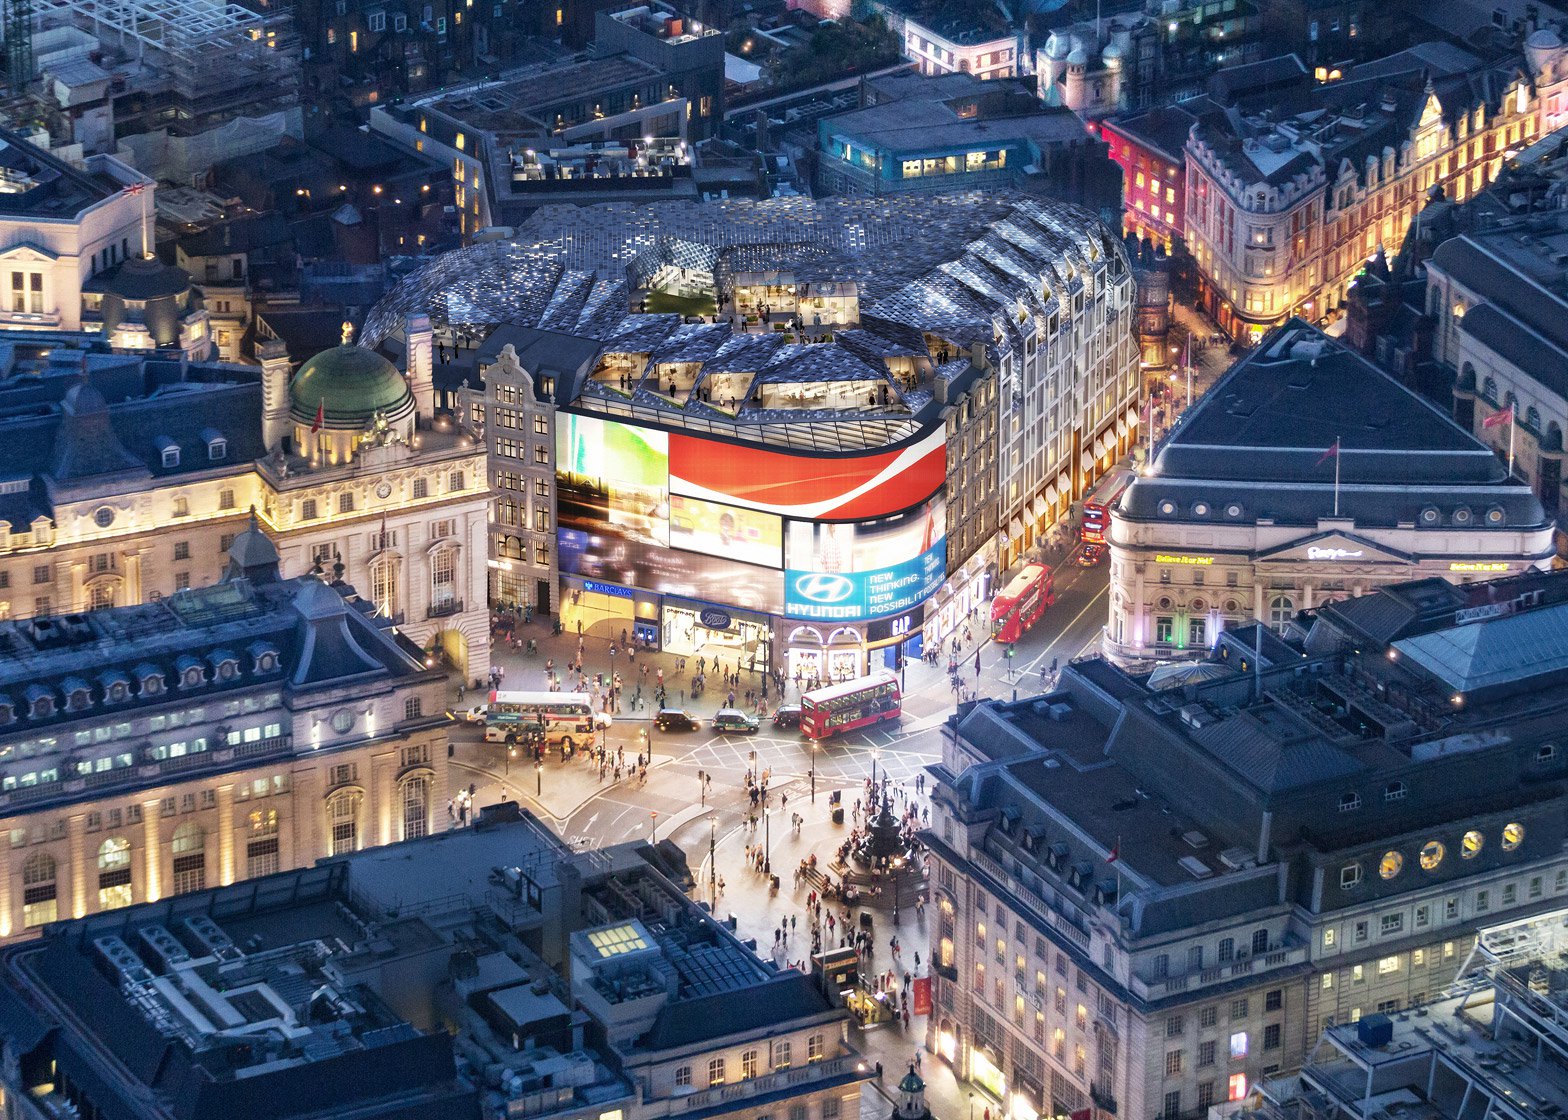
(807, 433)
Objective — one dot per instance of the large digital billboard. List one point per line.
(846, 596)
(808, 486)
(717, 522)
(748, 535)
(612, 478)
(865, 545)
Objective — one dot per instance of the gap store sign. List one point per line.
(849, 596)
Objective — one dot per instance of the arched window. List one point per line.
(114, 873)
(100, 596)
(1532, 418)
(443, 579)
(261, 850)
(38, 890)
(383, 586)
(343, 822)
(416, 807)
(190, 858)
(1281, 610)
(1489, 388)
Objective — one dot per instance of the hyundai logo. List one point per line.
(824, 588)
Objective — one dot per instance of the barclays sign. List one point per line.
(854, 596)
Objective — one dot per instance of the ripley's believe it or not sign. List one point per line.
(810, 537)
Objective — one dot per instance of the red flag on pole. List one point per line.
(1497, 419)
(321, 415)
(1116, 851)
(921, 990)
(1331, 453)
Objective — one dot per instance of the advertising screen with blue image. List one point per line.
(846, 596)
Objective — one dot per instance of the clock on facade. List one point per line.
(384, 491)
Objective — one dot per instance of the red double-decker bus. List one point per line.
(862, 702)
(1097, 514)
(1023, 600)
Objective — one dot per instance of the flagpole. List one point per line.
(1511, 426)
(1337, 453)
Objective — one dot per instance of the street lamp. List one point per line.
(653, 830)
(538, 778)
(813, 745)
(876, 753)
(767, 841)
(511, 753)
(713, 867)
(971, 1106)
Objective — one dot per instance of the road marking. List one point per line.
(1104, 590)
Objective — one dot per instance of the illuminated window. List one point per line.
(114, 873)
(1471, 845)
(1513, 836)
(1390, 865)
(1432, 853)
(1238, 1045)
(1388, 965)
(1238, 1086)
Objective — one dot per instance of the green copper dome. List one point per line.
(349, 384)
(911, 1083)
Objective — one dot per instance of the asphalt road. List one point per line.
(591, 814)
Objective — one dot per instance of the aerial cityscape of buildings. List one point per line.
(910, 560)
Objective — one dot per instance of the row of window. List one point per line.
(310, 508)
(1237, 1047)
(1393, 923)
(751, 1062)
(1432, 853)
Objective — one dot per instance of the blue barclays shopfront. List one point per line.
(696, 571)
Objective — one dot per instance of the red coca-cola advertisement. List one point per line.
(922, 989)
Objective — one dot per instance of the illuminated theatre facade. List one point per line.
(854, 414)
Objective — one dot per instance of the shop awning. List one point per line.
(1015, 528)
(1131, 417)
(1037, 508)
(1099, 447)
(1121, 427)
(1086, 461)
(1052, 495)
(1064, 485)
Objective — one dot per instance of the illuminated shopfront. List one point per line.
(825, 653)
(702, 630)
(985, 1073)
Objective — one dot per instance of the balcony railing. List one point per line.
(446, 609)
(767, 1083)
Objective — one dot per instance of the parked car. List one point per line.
(675, 719)
(476, 714)
(786, 715)
(1090, 555)
(734, 720)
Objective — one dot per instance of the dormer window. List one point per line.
(264, 657)
(40, 702)
(192, 675)
(225, 666)
(168, 451)
(152, 684)
(78, 697)
(217, 445)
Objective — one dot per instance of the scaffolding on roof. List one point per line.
(205, 48)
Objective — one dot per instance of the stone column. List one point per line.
(379, 792)
(154, 851)
(76, 835)
(7, 924)
(307, 815)
(226, 826)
